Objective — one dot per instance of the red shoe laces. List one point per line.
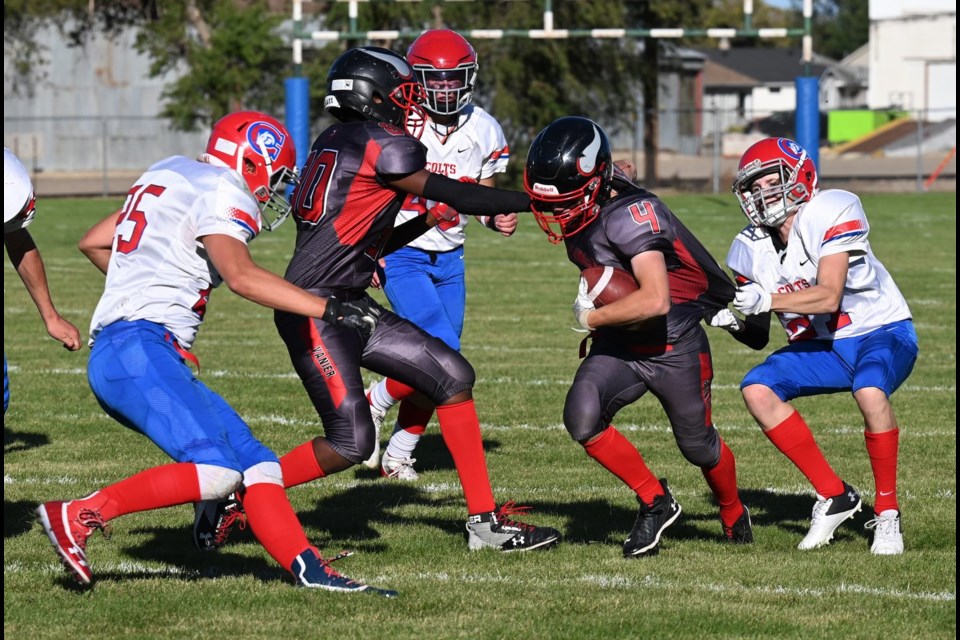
(327, 569)
(235, 516)
(512, 508)
(91, 520)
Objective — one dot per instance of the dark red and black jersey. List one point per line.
(343, 206)
(636, 221)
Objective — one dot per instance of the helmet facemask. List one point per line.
(409, 97)
(274, 196)
(771, 204)
(448, 91)
(562, 215)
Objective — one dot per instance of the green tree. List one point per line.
(840, 27)
(230, 51)
(75, 19)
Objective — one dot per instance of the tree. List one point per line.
(230, 51)
(75, 19)
(840, 27)
(230, 54)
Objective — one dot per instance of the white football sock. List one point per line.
(402, 443)
(379, 398)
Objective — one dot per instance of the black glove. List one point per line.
(362, 315)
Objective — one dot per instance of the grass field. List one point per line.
(58, 444)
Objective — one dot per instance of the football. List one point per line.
(607, 284)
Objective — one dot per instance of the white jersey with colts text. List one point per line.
(476, 149)
(833, 221)
(158, 269)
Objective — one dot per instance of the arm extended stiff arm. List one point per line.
(474, 199)
(465, 197)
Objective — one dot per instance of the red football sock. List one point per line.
(398, 390)
(412, 418)
(882, 449)
(300, 465)
(274, 523)
(460, 428)
(794, 440)
(156, 488)
(722, 478)
(622, 459)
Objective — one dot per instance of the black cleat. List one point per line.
(213, 520)
(742, 530)
(644, 538)
(495, 530)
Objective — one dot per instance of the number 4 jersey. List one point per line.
(832, 222)
(158, 269)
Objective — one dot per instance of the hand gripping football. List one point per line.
(607, 284)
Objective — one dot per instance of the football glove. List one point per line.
(582, 306)
(752, 300)
(362, 315)
(447, 217)
(724, 319)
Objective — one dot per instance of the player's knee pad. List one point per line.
(456, 371)
(263, 473)
(700, 449)
(582, 416)
(217, 482)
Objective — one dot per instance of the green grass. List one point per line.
(58, 444)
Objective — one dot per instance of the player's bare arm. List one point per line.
(26, 260)
(651, 300)
(97, 242)
(233, 262)
(823, 297)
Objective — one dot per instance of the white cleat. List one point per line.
(399, 468)
(887, 537)
(828, 514)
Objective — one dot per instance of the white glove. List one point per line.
(582, 306)
(752, 300)
(724, 319)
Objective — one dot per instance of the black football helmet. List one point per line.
(568, 175)
(373, 83)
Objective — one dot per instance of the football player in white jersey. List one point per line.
(19, 206)
(805, 256)
(182, 231)
(425, 281)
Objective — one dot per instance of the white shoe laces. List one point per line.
(885, 526)
(399, 467)
(820, 508)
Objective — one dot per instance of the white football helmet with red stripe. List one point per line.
(261, 150)
(770, 206)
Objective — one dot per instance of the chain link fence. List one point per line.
(698, 149)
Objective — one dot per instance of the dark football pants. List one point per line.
(615, 374)
(328, 359)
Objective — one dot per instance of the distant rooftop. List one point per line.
(763, 65)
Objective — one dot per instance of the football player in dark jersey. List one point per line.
(352, 185)
(649, 340)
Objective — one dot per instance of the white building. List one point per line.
(913, 56)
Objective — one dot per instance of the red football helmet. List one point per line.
(261, 150)
(446, 66)
(770, 206)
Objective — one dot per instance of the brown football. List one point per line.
(607, 284)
